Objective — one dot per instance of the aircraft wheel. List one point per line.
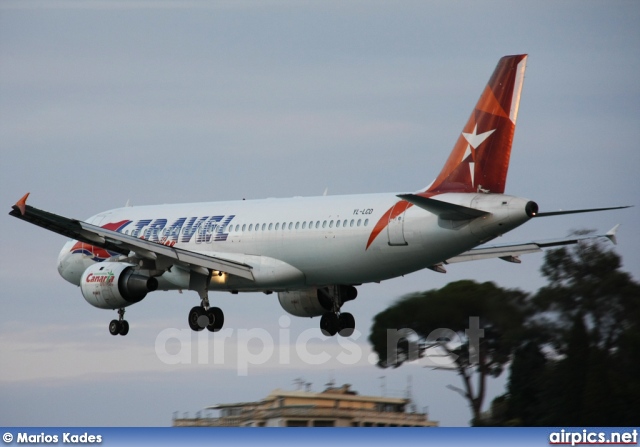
(124, 327)
(216, 318)
(329, 324)
(347, 324)
(114, 327)
(198, 318)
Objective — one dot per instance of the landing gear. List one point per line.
(331, 324)
(119, 326)
(347, 324)
(335, 322)
(211, 318)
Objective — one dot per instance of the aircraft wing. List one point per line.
(510, 252)
(125, 244)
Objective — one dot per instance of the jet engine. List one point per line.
(113, 285)
(315, 302)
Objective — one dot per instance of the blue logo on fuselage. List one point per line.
(205, 229)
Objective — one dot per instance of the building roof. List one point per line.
(343, 393)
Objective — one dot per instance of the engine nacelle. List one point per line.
(315, 302)
(112, 285)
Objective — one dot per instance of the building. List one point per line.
(333, 407)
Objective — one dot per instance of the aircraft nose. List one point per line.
(70, 265)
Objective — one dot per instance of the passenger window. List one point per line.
(366, 222)
(344, 224)
(351, 224)
(244, 227)
(318, 224)
(330, 224)
(338, 224)
(270, 226)
(290, 225)
(304, 225)
(277, 226)
(297, 225)
(324, 224)
(264, 226)
(359, 221)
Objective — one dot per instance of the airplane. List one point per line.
(311, 251)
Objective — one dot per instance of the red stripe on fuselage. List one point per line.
(398, 208)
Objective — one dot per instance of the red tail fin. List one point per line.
(480, 157)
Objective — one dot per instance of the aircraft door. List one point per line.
(395, 228)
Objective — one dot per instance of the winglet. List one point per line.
(22, 204)
(611, 234)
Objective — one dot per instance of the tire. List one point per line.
(114, 327)
(194, 318)
(347, 324)
(124, 327)
(216, 316)
(329, 324)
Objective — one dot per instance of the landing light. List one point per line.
(218, 277)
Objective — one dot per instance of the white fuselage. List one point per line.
(301, 242)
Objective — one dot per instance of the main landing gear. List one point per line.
(332, 323)
(203, 316)
(119, 326)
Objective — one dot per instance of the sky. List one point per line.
(104, 102)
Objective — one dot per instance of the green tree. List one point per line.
(442, 321)
(589, 329)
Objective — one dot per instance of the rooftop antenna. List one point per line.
(332, 381)
(299, 383)
(409, 396)
(383, 385)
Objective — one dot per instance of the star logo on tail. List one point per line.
(474, 140)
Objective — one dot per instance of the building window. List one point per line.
(323, 423)
(294, 423)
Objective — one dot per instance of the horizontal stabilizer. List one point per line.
(444, 210)
(588, 210)
(509, 252)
